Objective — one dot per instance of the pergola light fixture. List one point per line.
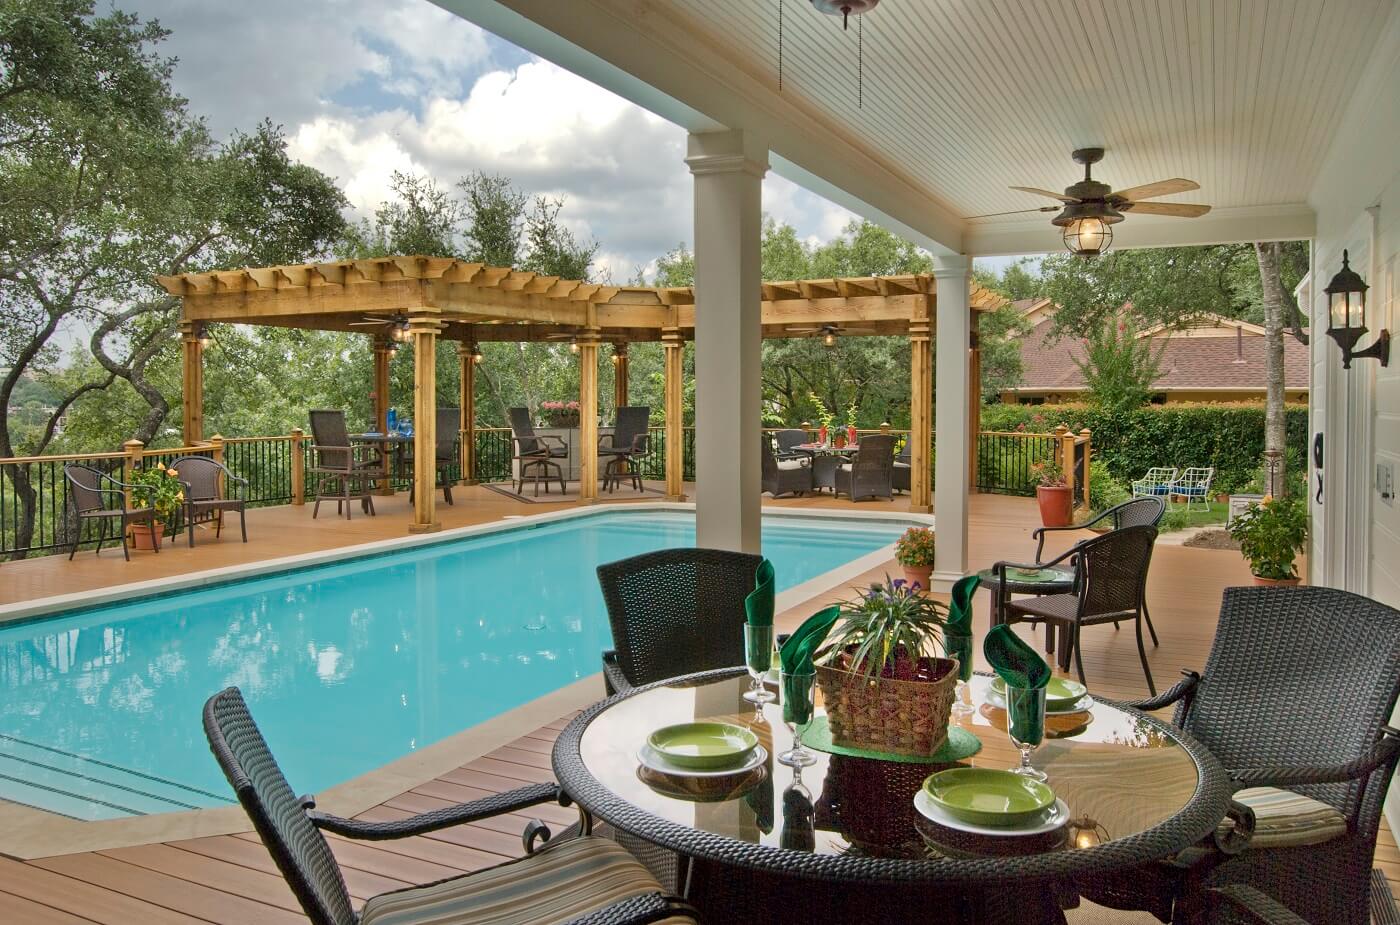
(829, 338)
(1346, 317)
(573, 347)
(399, 330)
(476, 353)
(202, 335)
(845, 8)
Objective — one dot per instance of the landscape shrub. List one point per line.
(1104, 490)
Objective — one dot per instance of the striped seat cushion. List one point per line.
(562, 882)
(1283, 819)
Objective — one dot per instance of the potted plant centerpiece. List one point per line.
(1271, 534)
(914, 553)
(885, 690)
(160, 488)
(1052, 493)
(560, 413)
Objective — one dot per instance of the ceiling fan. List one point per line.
(1090, 208)
(398, 324)
(829, 332)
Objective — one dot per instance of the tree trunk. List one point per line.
(1275, 427)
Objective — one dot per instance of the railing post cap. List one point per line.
(133, 445)
(298, 432)
(1061, 430)
(217, 438)
(1084, 432)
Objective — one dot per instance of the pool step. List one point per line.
(85, 788)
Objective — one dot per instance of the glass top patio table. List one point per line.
(1137, 790)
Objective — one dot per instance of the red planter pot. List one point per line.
(918, 573)
(1056, 505)
(1279, 582)
(141, 535)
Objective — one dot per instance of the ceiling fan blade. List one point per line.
(803, 330)
(845, 330)
(1045, 192)
(1178, 209)
(1153, 190)
(1013, 212)
(366, 324)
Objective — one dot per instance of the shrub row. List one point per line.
(1228, 436)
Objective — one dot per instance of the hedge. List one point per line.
(1228, 436)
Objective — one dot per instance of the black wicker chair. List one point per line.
(98, 498)
(1112, 580)
(903, 468)
(871, 473)
(673, 612)
(584, 880)
(1296, 694)
(788, 442)
(344, 472)
(1241, 905)
(210, 490)
(536, 458)
(449, 422)
(630, 439)
(785, 476)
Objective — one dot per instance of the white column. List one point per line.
(728, 168)
(951, 419)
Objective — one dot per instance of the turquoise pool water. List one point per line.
(346, 666)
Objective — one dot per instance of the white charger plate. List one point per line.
(1055, 817)
(1079, 706)
(649, 758)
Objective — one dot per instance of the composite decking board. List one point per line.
(237, 879)
(21, 911)
(1183, 591)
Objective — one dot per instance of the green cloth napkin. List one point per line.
(959, 646)
(960, 606)
(759, 604)
(1018, 664)
(796, 654)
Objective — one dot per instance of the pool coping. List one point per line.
(27, 832)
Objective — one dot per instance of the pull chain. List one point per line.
(780, 46)
(860, 63)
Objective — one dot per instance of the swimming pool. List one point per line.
(346, 666)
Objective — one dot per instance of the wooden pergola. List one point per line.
(470, 303)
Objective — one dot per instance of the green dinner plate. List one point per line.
(703, 746)
(1037, 574)
(986, 796)
(1060, 693)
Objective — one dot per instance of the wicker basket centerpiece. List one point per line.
(883, 687)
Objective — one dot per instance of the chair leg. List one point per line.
(155, 538)
(189, 517)
(243, 522)
(126, 551)
(1078, 655)
(77, 540)
(218, 524)
(1142, 654)
(1150, 628)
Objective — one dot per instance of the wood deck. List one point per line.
(231, 880)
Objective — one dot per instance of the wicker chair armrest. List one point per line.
(641, 444)
(1383, 753)
(555, 437)
(1038, 534)
(483, 808)
(1236, 838)
(613, 677)
(1186, 687)
(1000, 568)
(639, 910)
(1237, 903)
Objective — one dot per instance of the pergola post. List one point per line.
(383, 353)
(920, 406)
(588, 416)
(952, 277)
(619, 359)
(673, 346)
(466, 361)
(728, 169)
(192, 382)
(423, 327)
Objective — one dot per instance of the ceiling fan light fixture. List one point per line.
(829, 338)
(1087, 237)
(573, 346)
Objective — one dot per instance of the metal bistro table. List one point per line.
(1056, 581)
(843, 841)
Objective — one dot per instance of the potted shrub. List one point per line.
(1052, 494)
(914, 553)
(1271, 534)
(164, 493)
(884, 688)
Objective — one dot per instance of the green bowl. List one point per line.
(986, 796)
(703, 746)
(1060, 693)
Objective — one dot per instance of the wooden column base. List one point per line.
(675, 497)
(425, 528)
(921, 508)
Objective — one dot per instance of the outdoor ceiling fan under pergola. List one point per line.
(397, 324)
(1091, 208)
(829, 332)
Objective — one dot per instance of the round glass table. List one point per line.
(845, 830)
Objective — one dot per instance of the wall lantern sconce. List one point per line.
(1346, 323)
(573, 347)
(202, 335)
(476, 353)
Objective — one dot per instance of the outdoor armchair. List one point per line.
(785, 476)
(444, 452)
(98, 498)
(536, 458)
(871, 473)
(673, 612)
(344, 471)
(1294, 700)
(788, 442)
(1157, 482)
(629, 441)
(903, 467)
(210, 490)
(1194, 486)
(580, 880)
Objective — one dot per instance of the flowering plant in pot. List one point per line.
(158, 488)
(1052, 493)
(1271, 534)
(884, 687)
(560, 413)
(914, 552)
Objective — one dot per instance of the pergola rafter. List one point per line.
(469, 302)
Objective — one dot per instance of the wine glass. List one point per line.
(960, 648)
(758, 657)
(1025, 723)
(797, 714)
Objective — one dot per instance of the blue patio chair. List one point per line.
(1193, 486)
(1157, 483)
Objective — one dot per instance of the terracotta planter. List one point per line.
(1279, 582)
(918, 573)
(141, 536)
(889, 714)
(1056, 505)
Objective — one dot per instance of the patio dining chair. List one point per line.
(98, 498)
(1193, 486)
(210, 490)
(871, 473)
(580, 880)
(629, 440)
(536, 458)
(785, 476)
(344, 472)
(673, 612)
(903, 467)
(1295, 699)
(444, 452)
(788, 442)
(1157, 482)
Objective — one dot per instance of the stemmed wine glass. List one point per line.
(1025, 723)
(758, 657)
(797, 714)
(960, 648)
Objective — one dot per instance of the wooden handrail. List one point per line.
(58, 457)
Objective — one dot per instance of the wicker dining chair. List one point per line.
(210, 490)
(537, 457)
(579, 880)
(98, 498)
(673, 612)
(1295, 699)
(902, 473)
(1111, 579)
(785, 476)
(449, 420)
(344, 472)
(871, 473)
(788, 442)
(629, 440)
